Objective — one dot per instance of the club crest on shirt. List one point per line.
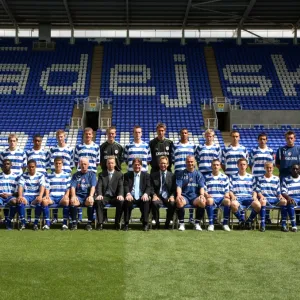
(289, 154)
(167, 148)
(116, 151)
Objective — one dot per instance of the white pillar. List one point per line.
(182, 38)
(239, 36)
(72, 39)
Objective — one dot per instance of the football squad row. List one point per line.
(186, 174)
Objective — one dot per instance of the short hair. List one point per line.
(296, 164)
(60, 131)
(215, 160)
(111, 157)
(37, 136)
(269, 163)
(58, 158)
(111, 128)
(242, 159)
(83, 158)
(12, 135)
(136, 127)
(31, 161)
(190, 156)
(233, 131)
(183, 129)
(6, 160)
(290, 132)
(262, 134)
(88, 129)
(137, 159)
(164, 157)
(161, 125)
(207, 131)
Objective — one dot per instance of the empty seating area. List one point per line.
(263, 77)
(38, 88)
(155, 82)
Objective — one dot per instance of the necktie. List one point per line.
(110, 176)
(164, 192)
(136, 187)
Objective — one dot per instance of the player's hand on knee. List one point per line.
(171, 199)
(99, 197)
(89, 200)
(120, 198)
(145, 197)
(129, 197)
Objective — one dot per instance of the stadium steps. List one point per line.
(226, 137)
(213, 73)
(96, 71)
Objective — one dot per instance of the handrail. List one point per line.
(266, 126)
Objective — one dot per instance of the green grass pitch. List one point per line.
(149, 265)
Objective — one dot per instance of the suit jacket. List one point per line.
(115, 184)
(145, 185)
(170, 183)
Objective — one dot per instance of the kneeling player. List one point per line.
(31, 188)
(267, 188)
(190, 190)
(217, 188)
(82, 192)
(242, 193)
(291, 193)
(57, 192)
(8, 184)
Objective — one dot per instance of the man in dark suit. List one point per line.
(164, 187)
(137, 190)
(110, 190)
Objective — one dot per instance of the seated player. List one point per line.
(109, 190)
(217, 192)
(8, 185)
(267, 188)
(291, 192)
(31, 188)
(242, 193)
(190, 190)
(82, 192)
(137, 190)
(163, 183)
(57, 192)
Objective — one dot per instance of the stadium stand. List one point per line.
(151, 82)
(262, 77)
(37, 88)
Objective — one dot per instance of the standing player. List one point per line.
(242, 187)
(15, 155)
(88, 150)
(286, 156)
(217, 192)
(208, 152)
(180, 152)
(267, 188)
(160, 146)
(137, 149)
(57, 192)
(232, 153)
(8, 185)
(31, 187)
(190, 190)
(291, 192)
(111, 148)
(257, 159)
(42, 159)
(65, 152)
(82, 192)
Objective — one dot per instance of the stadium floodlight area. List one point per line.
(264, 77)
(155, 82)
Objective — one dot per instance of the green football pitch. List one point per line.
(149, 265)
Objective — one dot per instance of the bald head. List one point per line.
(84, 164)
